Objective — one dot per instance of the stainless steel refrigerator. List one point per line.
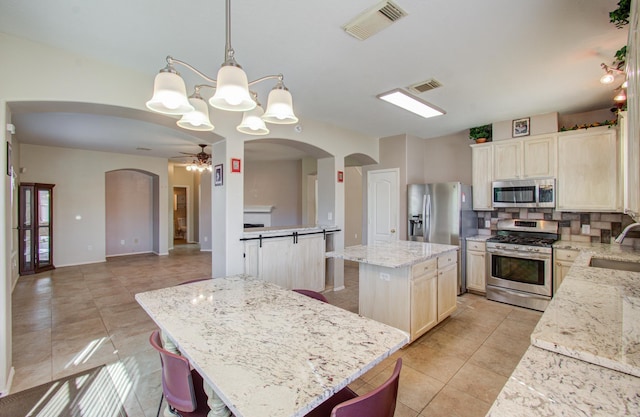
(442, 213)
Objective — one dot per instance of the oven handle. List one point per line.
(520, 254)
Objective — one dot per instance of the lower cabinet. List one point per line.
(413, 298)
(447, 285)
(288, 264)
(563, 259)
(476, 267)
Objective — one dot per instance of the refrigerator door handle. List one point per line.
(427, 217)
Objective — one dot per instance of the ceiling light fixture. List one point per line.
(610, 74)
(621, 95)
(232, 93)
(409, 102)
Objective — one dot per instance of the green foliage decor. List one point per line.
(480, 132)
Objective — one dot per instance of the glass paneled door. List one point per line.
(35, 207)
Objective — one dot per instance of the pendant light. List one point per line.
(231, 94)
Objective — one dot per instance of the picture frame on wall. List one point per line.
(235, 165)
(521, 127)
(217, 175)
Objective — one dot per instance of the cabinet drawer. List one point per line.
(477, 246)
(566, 255)
(424, 268)
(447, 259)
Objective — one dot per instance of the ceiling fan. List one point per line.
(201, 161)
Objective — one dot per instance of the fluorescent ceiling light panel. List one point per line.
(411, 103)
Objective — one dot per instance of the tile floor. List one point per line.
(76, 318)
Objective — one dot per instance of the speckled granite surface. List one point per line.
(265, 350)
(595, 315)
(585, 353)
(395, 254)
(549, 384)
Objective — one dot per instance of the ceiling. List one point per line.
(496, 60)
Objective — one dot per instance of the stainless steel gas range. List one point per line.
(521, 263)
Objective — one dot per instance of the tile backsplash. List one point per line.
(602, 227)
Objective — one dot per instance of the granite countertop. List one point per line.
(479, 238)
(285, 230)
(595, 315)
(585, 353)
(396, 254)
(549, 384)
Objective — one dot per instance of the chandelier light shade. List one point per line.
(232, 90)
(231, 94)
(621, 95)
(169, 94)
(280, 106)
(252, 123)
(198, 119)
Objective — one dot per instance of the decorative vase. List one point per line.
(481, 140)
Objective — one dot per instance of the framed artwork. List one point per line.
(9, 166)
(235, 165)
(217, 175)
(521, 127)
(340, 176)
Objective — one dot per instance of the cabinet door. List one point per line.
(539, 157)
(507, 160)
(588, 171)
(482, 170)
(424, 303)
(560, 270)
(309, 262)
(276, 259)
(251, 258)
(476, 271)
(447, 291)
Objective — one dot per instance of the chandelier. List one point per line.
(231, 94)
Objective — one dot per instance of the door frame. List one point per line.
(370, 204)
(189, 214)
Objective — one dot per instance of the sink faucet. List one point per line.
(622, 235)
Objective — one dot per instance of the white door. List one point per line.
(383, 199)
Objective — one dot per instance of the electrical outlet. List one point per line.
(90, 247)
(586, 229)
(384, 276)
(330, 215)
(122, 242)
(206, 239)
(487, 224)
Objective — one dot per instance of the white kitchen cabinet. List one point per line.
(532, 157)
(447, 285)
(482, 170)
(424, 299)
(539, 156)
(476, 267)
(631, 166)
(563, 259)
(412, 298)
(507, 157)
(589, 171)
(287, 263)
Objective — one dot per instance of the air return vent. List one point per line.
(424, 86)
(374, 20)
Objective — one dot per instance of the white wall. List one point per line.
(79, 177)
(129, 212)
(352, 206)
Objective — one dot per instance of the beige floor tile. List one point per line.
(433, 362)
(453, 344)
(31, 375)
(451, 402)
(496, 360)
(416, 389)
(478, 382)
(403, 410)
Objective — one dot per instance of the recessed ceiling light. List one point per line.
(411, 103)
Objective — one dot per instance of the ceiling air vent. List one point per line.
(374, 20)
(424, 86)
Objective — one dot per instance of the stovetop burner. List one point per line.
(523, 240)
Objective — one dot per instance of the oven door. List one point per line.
(522, 271)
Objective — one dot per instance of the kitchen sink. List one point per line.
(613, 264)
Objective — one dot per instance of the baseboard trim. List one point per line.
(6, 389)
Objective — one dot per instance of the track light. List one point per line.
(610, 74)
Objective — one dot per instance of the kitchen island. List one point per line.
(292, 257)
(408, 285)
(585, 353)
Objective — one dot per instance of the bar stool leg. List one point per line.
(217, 406)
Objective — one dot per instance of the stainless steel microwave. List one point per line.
(524, 193)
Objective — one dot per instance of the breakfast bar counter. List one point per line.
(409, 285)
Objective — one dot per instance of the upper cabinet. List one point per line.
(482, 169)
(533, 157)
(589, 170)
